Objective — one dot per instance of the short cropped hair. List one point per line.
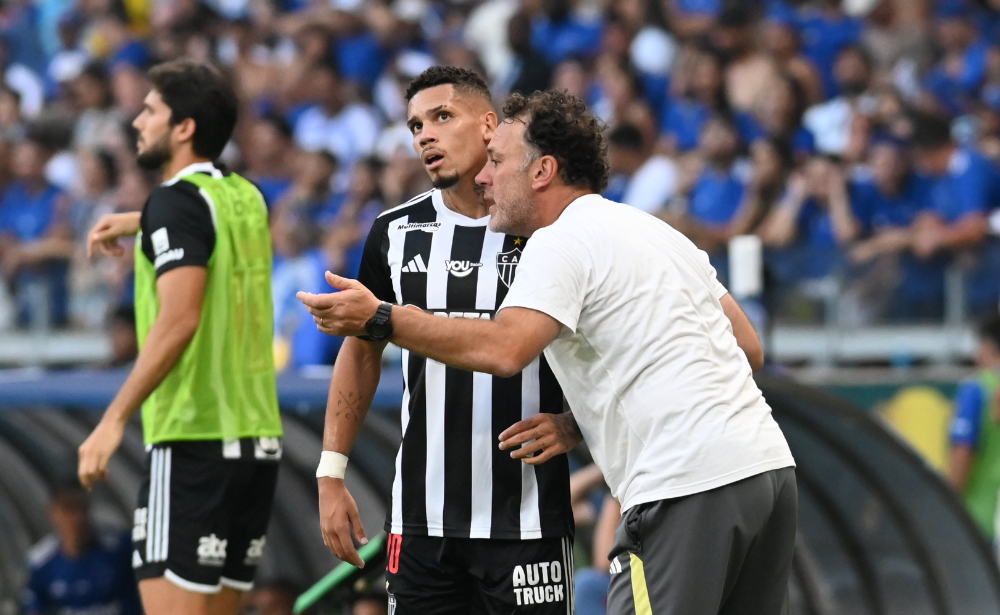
(558, 124)
(462, 78)
(196, 90)
(931, 131)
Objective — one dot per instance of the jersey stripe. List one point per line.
(413, 290)
(394, 257)
(396, 514)
(484, 442)
(530, 515)
(462, 281)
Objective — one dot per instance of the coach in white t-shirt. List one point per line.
(654, 356)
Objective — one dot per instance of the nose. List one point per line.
(485, 176)
(426, 137)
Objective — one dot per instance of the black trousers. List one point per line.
(726, 551)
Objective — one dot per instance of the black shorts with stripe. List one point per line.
(203, 512)
(458, 576)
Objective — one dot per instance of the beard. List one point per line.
(444, 181)
(514, 218)
(156, 155)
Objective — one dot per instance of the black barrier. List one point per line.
(879, 531)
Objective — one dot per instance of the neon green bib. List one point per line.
(984, 479)
(223, 388)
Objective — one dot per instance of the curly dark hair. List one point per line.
(462, 78)
(558, 124)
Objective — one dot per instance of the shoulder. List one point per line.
(43, 552)
(417, 203)
(183, 192)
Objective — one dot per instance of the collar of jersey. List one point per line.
(444, 212)
(197, 167)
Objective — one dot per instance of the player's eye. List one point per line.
(444, 115)
(414, 128)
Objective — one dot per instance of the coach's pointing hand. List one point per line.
(344, 313)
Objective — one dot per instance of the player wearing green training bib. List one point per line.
(205, 375)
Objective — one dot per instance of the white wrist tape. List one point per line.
(331, 465)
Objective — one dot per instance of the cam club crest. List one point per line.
(507, 264)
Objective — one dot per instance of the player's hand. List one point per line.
(103, 238)
(546, 434)
(340, 521)
(344, 313)
(96, 452)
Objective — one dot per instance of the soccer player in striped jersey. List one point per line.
(472, 528)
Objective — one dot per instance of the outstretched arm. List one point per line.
(501, 347)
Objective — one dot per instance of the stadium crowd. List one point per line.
(859, 139)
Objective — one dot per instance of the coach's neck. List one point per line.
(553, 199)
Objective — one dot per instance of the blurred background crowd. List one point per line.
(859, 139)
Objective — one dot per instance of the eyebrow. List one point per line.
(413, 120)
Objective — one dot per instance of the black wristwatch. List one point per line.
(379, 328)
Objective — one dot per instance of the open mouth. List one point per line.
(433, 160)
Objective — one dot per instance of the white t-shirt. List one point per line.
(647, 358)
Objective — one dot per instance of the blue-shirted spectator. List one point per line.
(778, 115)
(811, 224)
(838, 125)
(887, 277)
(35, 238)
(974, 470)
(749, 72)
(783, 44)
(690, 19)
(348, 129)
(559, 34)
(698, 93)
(955, 80)
(360, 57)
(271, 157)
(717, 194)
(825, 31)
(644, 181)
(965, 187)
(80, 569)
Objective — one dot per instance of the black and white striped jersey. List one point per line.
(452, 479)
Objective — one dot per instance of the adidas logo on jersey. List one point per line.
(211, 550)
(416, 265)
(616, 566)
(460, 269)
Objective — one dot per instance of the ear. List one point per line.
(489, 125)
(543, 172)
(184, 130)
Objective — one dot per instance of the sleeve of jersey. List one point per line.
(968, 413)
(551, 278)
(179, 229)
(374, 269)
